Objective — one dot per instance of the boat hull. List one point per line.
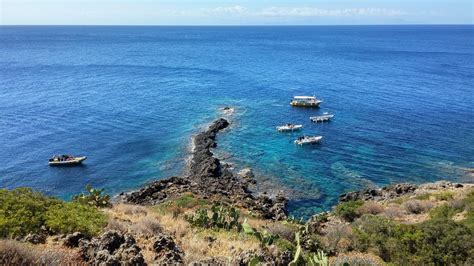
(288, 129)
(303, 104)
(314, 140)
(75, 161)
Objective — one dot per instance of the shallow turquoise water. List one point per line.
(131, 97)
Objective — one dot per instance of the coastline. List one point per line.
(207, 178)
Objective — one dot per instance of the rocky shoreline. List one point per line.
(207, 178)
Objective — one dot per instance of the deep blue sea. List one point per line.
(130, 98)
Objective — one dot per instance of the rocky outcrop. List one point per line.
(394, 191)
(72, 240)
(111, 248)
(261, 257)
(382, 194)
(35, 238)
(167, 251)
(208, 179)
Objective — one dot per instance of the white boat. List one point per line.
(305, 101)
(321, 118)
(305, 140)
(65, 160)
(289, 127)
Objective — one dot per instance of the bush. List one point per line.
(70, 217)
(445, 242)
(17, 253)
(348, 210)
(356, 259)
(148, 226)
(221, 217)
(443, 211)
(264, 236)
(93, 197)
(393, 211)
(469, 208)
(417, 206)
(371, 207)
(22, 211)
(439, 241)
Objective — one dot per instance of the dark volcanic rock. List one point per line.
(385, 193)
(247, 256)
(111, 248)
(208, 179)
(72, 240)
(167, 252)
(35, 238)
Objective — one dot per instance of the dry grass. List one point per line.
(393, 211)
(338, 237)
(202, 244)
(17, 253)
(144, 223)
(356, 259)
(147, 226)
(417, 206)
(371, 207)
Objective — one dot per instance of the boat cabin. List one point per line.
(305, 101)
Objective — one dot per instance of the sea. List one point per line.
(130, 98)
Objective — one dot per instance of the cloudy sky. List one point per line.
(264, 12)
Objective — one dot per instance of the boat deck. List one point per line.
(321, 118)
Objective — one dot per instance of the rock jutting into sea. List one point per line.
(208, 179)
(394, 191)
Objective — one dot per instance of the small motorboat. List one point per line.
(306, 140)
(289, 127)
(326, 117)
(64, 160)
(305, 101)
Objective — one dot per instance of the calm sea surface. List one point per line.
(130, 98)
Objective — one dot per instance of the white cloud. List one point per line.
(317, 12)
(226, 11)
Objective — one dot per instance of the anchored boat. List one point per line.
(305, 101)
(321, 118)
(64, 160)
(289, 127)
(306, 140)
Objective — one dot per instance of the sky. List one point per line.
(263, 12)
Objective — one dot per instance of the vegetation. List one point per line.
(70, 217)
(265, 238)
(93, 197)
(218, 217)
(348, 210)
(24, 211)
(438, 241)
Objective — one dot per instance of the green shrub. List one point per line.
(218, 217)
(317, 259)
(265, 238)
(439, 241)
(444, 195)
(443, 211)
(22, 211)
(283, 244)
(69, 217)
(348, 210)
(445, 242)
(93, 197)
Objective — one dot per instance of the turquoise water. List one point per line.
(130, 98)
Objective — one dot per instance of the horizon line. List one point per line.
(237, 25)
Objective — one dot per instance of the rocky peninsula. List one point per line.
(207, 178)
